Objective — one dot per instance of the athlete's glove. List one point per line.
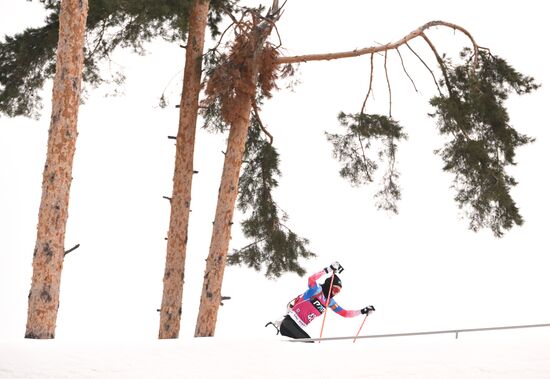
(335, 266)
(367, 310)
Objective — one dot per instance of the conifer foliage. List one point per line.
(481, 142)
(470, 113)
(275, 246)
(353, 149)
(27, 59)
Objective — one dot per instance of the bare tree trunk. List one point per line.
(170, 311)
(57, 176)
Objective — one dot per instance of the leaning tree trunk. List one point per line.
(57, 176)
(227, 195)
(170, 311)
(221, 234)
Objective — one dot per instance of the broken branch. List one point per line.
(72, 249)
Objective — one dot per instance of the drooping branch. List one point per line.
(370, 83)
(235, 21)
(482, 142)
(260, 123)
(427, 67)
(439, 61)
(99, 39)
(387, 79)
(275, 247)
(445, 76)
(406, 72)
(364, 132)
(381, 48)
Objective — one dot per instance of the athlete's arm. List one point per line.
(312, 280)
(341, 311)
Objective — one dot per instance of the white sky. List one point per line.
(422, 269)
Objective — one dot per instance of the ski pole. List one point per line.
(361, 327)
(326, 305)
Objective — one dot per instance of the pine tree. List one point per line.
(232, 85)
(471, 113)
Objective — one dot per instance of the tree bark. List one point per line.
(221, 234)
(170, 311)
(57, 175)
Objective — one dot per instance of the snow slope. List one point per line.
(503, 354)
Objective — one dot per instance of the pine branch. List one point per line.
(381, 48)
(370, 83)
(427, 67)
(257, 115)
(387, 80)
(440, 62)
(404, 69)
(99, 38)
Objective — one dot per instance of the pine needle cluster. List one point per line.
(276, 247)
(27, 59)
(480, 145)
(481, 141)
(359, 164)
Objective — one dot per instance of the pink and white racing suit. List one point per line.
(312, 303)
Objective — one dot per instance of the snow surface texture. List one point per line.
(503, 354)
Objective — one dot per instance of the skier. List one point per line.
(313, 302)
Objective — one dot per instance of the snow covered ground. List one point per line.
(504, 354)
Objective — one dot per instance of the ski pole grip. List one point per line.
(335, 267)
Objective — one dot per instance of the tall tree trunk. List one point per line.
(56, 182)
(221, 234)
(229, 186)
(170, 311)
